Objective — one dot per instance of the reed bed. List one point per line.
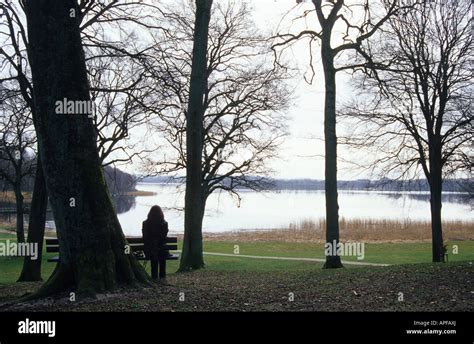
(366, 230)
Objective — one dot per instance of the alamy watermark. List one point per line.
(75, 107)
(24, 249)
(347, 249)
(37, 327)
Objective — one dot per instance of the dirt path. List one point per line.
(319, 260)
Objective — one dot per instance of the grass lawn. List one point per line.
(386, 253)
(250, 284)
(424, 287)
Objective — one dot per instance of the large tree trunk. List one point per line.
(37, 218)
(92, 246)
(330, 141)
(20, 230)
(192, 253)
(192, 257)
(436, 187)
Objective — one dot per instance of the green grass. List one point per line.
(386, 253)
(397, 253)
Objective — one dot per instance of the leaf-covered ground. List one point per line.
(421, 287)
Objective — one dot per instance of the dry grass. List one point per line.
(9, 196)
(6, 225)
(367, 230)
(140, 193)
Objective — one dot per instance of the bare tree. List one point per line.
(15, 79)
(15, 69)
(191, 257)
(415, 110)
(118, 40)
(123, 95)
(119, 87)
(243, 104)
(17, 144)
(340, 27)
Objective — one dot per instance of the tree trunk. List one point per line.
(20, 230)
(91, 242)
(37, 219)
(436, 187)
(192, 257)
(192, 253)
(330, 145)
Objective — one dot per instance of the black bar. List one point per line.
(354, 327)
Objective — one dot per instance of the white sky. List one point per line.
(302, 153)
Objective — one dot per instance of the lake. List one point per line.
(269, 210)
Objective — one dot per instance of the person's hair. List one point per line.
(155, 214)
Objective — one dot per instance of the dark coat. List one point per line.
(154, 239)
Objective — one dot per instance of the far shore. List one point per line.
(139, 193)
(9, 196)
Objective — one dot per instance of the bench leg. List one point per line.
(162, 268)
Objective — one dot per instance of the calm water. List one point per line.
(278, 209)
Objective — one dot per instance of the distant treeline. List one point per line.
(449, 185)
(118, 181)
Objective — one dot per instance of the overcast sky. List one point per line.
(302, 153)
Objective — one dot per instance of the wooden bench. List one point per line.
(137, 248)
